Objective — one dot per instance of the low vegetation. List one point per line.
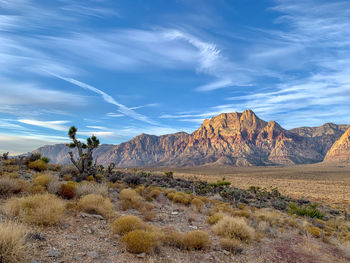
(39, 209)
(13, 245)
(157, 216)
(96, 204)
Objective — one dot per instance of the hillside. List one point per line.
(340, 151)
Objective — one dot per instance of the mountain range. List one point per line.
(239, 139)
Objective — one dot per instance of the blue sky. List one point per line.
(118, 68)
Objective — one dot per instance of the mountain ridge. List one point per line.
(240, 139)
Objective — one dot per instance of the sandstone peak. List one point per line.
(340, 151)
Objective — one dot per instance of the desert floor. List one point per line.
(318, 182)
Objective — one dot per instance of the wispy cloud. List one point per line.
(54, 125)
(109, 99)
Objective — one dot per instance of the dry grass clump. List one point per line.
(148, 215)
(127, 194)
(214, 218)
(234, 227)
(180, 197)
(10, 186)
(192, 240)
(96, 204)
(126, 224)
(198, 204)
(13, 247)
(314, 231)
(141, 241)
(42, 180)
(38, 165)
(44, 209)
(196, 239)
(86, 188)
(129, 197)
(232, 245)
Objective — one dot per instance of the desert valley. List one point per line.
(186, 131)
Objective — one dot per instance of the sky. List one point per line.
(119, 68)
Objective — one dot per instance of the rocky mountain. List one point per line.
(340, 151)
(322, 137)
(240, 139)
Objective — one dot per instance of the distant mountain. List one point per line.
(240, 139)
(58, 153)
(340, 151)
(322, 137)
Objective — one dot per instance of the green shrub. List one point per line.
(38, 165)
(45, 159)
(310, 211)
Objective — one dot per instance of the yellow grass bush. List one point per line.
(13, 246)
(148, 215)
(40, 209)
(196, 239)
(234, 227)
(314, 231)
(232, 245)
(170, 196)
(127, 194)
(197, 204)
(155, 193)
(86, 188)
(213, 219)
(42, 180)
(126, 224)
(37, 189)
(141, 241)
(38, 165)
(96, 204)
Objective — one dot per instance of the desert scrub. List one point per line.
(314, 231)
(96, 204)
(38, 165)
(141, 241)
(196, 239)
(68, 190)
(232, 245)
(86, 188)
(13, 245)
(310, 211)
(129, 198)
(197, 204)
(42, 180)
(10, 186)
(126, 224)
(213, 219)
(43, 209)
(234, 227)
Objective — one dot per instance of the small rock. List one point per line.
(226, 252)
(175, 213)
(142, 255)
(33, 261)
(193, 227)
(98, 217)
(93, 255)
(83, 215)
(55, 253)
(74, 237)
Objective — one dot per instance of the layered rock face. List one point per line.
(340, 151)
(240, 139)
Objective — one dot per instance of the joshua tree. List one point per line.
(5, 156)
(84, 164)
